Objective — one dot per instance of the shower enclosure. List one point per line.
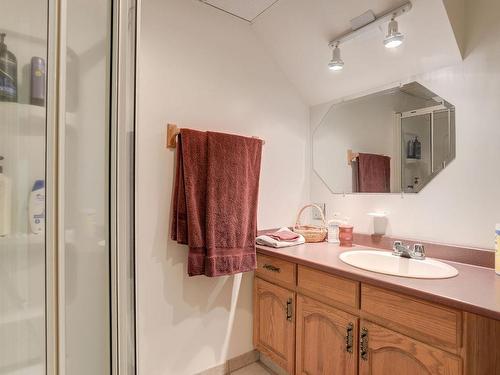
(67, 108)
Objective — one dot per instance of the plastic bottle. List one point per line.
(333, 228)
(5, 202)
(497, 249)
(8, 73)
(417, 149)
(37, 81)
(37, 207)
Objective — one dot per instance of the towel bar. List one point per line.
(173, 130)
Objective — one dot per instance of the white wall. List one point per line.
(203, 69)
(461, 205)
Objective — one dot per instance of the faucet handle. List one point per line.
(396, 247)
(418, 251)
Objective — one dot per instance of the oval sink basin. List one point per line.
(385, 262)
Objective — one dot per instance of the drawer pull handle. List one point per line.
(363, 347)
(271, 268)
(348, 338)
(289, 310)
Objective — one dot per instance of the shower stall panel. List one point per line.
(87, 302)
(66, 258)
(22, 146)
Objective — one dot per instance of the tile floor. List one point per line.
(253, 369)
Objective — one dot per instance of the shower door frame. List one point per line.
(422, 112)
(121, 244)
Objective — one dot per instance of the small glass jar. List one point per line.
(346, 235)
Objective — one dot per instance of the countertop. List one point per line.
(475, 289)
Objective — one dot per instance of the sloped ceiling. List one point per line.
(296, 33)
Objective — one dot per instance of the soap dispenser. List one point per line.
(8, 73)
(5, 202)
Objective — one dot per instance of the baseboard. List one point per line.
(233, 364)
(273, 367)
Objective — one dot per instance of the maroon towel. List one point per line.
(214, 208)
(373, 173)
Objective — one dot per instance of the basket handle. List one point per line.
(297, 221)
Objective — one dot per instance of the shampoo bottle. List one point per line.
(37, 207)
(5, 202)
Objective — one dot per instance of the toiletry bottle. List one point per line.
(410, 154)
(333, 228)
(8, 73)
(497, 249)
(417, 148)
(5, 202)
(37, 207)
(37, 81)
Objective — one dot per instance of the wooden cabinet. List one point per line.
(344, 327)
(326, 339)
(274, 323)
(385, 352)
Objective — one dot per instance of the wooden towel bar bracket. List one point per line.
(351, 156)
(173, 130)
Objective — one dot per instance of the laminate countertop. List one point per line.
(475, 289)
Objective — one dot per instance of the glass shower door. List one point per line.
(23, 56)
(66, 274)
(87, 313)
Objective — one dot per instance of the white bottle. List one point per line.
(5, 202)
(37, 207)
(333, 228)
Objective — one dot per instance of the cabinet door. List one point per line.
(385, 352)
(326, 339)
(274, 323)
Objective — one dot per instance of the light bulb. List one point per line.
(336, 62)
(394, 38)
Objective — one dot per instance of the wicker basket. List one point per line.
(311, 233)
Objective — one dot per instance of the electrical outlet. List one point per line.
(316, 214)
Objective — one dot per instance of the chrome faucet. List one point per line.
(404, 251)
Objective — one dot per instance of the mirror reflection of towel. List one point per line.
(371, 174)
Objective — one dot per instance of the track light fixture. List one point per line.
(394, 38)
(336, 62)
(367, 21)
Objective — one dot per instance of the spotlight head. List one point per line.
(394, 38)
(336, 62)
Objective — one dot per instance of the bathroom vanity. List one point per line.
(313, 314)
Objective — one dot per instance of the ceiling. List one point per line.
(248, 10)
(296, 33)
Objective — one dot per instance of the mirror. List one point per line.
(392, 141)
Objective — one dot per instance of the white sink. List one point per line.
(385, 262)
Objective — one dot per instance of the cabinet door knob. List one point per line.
(271, 268)
(363, 347)
(289, 309)
(348, 338)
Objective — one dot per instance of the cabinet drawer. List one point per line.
(437, 325)
(328, 288)
(275, 269)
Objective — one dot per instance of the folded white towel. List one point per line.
(269, 241)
